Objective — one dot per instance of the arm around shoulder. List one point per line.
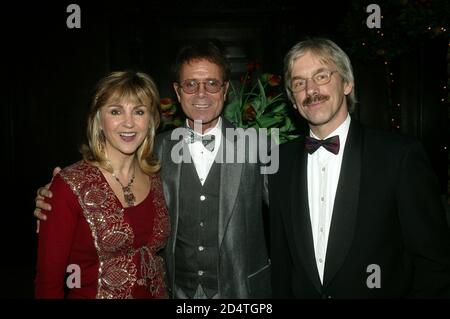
(55, 241)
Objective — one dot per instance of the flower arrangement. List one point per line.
(170, 114)
(259, 102)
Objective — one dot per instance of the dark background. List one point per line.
(51, 71)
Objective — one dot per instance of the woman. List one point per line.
(111, 218)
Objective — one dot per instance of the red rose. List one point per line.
(165, 103)
(274, 80)
(249, 112)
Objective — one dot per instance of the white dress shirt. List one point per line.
(324, 168)
(201, 156)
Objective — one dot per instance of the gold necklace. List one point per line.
(128, 195)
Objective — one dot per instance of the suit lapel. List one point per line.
(345, 205)
(301, 221)
(230, 179)
(172, 174)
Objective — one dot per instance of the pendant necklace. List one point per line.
(128, 195)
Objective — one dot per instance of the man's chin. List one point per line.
(204, 121)
(317, 121)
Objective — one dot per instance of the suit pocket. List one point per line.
(259, 283)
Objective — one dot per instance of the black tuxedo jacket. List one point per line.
(387, 214)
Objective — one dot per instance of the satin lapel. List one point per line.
(345, 205)
(301, 221)
(171, 173)
(230, 179)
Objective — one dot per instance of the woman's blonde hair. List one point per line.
(133, 87)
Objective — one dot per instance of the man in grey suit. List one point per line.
(217, 247)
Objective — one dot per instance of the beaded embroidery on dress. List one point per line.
(113, 237)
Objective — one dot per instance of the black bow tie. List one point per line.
(331, 144)
(208, 140)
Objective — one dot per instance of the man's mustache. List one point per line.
(310, 99)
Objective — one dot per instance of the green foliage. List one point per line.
(260, 103)
(171, 114)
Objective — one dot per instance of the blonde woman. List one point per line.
(110, 217)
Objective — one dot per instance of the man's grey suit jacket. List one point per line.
(243, 265)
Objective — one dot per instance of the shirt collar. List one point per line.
(342, 131)
(216, 130)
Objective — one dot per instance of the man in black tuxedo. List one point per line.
(355, 212)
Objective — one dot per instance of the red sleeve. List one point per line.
(56, 237)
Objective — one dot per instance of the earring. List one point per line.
(294, 106)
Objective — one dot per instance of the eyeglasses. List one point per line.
(192, 86)
(320, 78)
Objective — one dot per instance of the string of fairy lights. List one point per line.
(407, 22)
(395, 112)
